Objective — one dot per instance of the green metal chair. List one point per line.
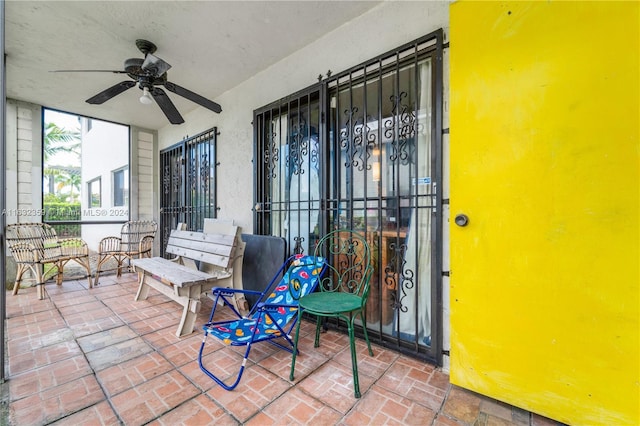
(342, 292)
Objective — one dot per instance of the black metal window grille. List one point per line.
(288, 170)
(374, 167)
(188, 184)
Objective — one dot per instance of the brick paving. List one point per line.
(95, 357)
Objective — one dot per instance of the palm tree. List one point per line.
(58, 140)
(72, 180)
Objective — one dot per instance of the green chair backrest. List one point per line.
(349, 265)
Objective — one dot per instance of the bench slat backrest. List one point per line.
(215, 249)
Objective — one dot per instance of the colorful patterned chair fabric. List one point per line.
(271, 319)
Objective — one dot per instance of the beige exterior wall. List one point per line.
(24, 162)
(144, 182)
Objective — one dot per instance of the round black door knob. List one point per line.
(462, 220)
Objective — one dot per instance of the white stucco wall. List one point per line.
(105, 148)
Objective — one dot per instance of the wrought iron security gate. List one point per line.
(363, 150)
(188, 184)
(288, 175)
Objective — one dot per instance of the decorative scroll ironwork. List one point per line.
(192, 173)
(176, 176)
(272, 151)
(357, 140)
(298, 147)
(166, 179)
(298, 249)
(401, 129)
(314, 155)
(166, 230)
(406, 277)
(204, 171)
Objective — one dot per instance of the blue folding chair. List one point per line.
(271, 319)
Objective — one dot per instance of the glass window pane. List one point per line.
(79, 157)
(95, 196)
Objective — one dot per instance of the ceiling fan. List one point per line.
(149, 74)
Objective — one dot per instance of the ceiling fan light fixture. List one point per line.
(146, 98)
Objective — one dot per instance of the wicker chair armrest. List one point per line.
(25, 253)
(146, 245)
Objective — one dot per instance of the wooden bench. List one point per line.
(203, 261)
(34, 245)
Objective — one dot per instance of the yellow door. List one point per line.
(544, 141)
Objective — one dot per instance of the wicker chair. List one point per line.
(34, 245)
(135, 241)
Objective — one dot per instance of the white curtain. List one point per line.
(304, 196)
(277, 183)
(417, 300)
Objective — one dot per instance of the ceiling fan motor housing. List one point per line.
(133, 67)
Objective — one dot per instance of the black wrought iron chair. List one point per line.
(343, 290)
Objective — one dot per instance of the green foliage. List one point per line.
(60, 211)
(51, 198)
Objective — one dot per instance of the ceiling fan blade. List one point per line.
(166, 106)
(194, 97)
(112, 91)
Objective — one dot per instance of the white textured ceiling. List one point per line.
(211, 45)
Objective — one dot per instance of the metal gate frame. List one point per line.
(188, 184)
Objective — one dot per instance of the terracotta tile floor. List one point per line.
(93, 357)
